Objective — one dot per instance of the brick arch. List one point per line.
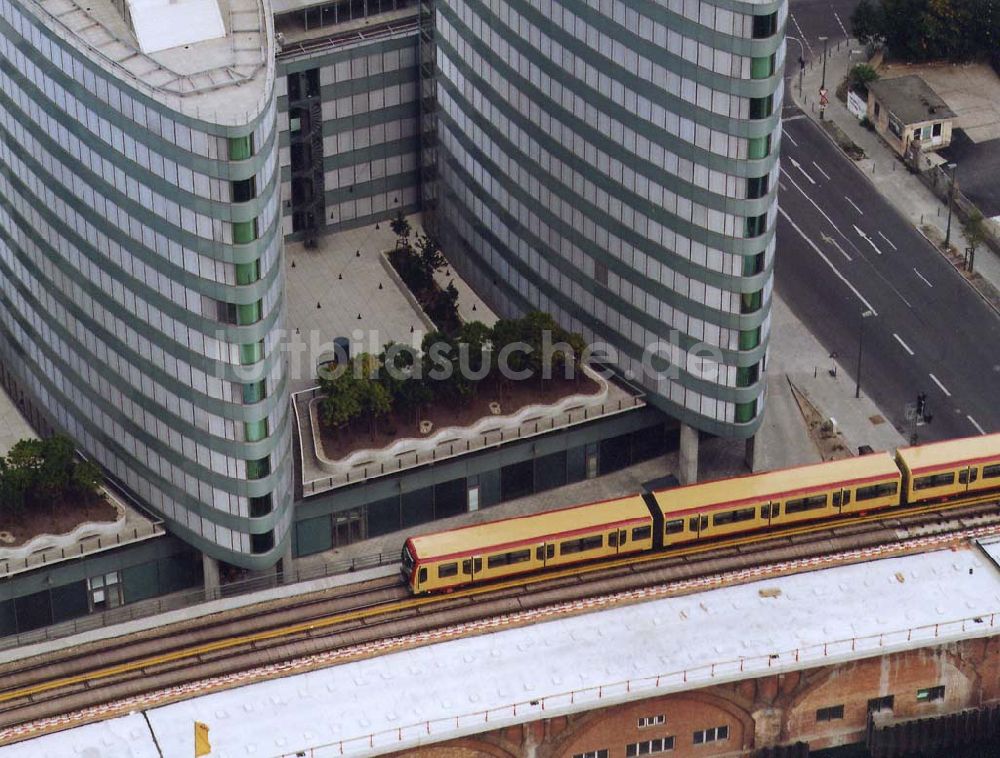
(466, 747)
(618, 723)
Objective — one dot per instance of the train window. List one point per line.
(519, 556)
(504, 559)
(805, 504)
(876, 490)
(838, 499)
(613, 539)
(467, 566)
(447, 569)
(643, 533)
(674, 527)
(422, 576)
(968, 475)
(495, 561)
(730, 517)
(578, 546)
(934, 480)
(769, 511)
(693, 523)
(543, 552)
(991, 472)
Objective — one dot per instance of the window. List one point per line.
(505, 559)
(928, 694)
(936, 129)
(472, 565)
(641, 533)
(712, 734)
(965, 476)
(753, 264)
(991, 472)
(878, 109)
(422, 576)
(104, 591)
(650, 747)
(258, 469)
(674, 527)
(578, 546)
(226, 312)
(694, 526)
(765, 25)
(747, 376)
(447, 569)
(760, 107)
(731, 517)
(244, 190)
(602, 753)
(254, 392)
(601, 273)
(262, 543)
(260, 506)
(883, 703)
(842, 498)
(934, 480)
(876, 490)
(240, 148)
(832, 713)
(757, 186)
(802, 504)
(750, 302)
(758, 147)
(546, 552)
(771, 510)
(645, 721)
(756, 225)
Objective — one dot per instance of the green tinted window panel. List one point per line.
(254, 392)
(753, 264)
(258, 469)
(255, 431)
(248, 273)
(248, 314)
(759, 147)
(747, 375)
(749, 339)
(240, 148)
(761, 68)
(751, 301)
(244, 231)
(252, 353)
(746, 412)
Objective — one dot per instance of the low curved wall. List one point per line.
(86, 530)
(406, 445)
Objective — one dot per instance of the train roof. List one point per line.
(936, 455)
(535, 528)
(778, 485)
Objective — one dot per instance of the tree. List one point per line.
(868, 23)
(431, 258)
(342, 403)
(86, 479)
(975, 232)
(859, 77)
(401, 228)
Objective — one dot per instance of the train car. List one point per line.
(498, 549)
(787, 496)
(941, 471)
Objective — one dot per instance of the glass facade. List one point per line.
(130, 229)
(616, 164)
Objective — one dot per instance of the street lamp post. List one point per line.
(951, 198)
(822, 87)
(861, 337)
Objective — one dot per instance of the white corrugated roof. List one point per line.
(163, 24)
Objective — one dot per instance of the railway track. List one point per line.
(77, 678)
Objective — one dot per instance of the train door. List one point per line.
(768, 511)
(841, 499)
(545, 553)
(618, 540)
(472, 567)
(967, 476)
(697, 525)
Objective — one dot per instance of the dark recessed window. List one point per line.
(244, 190)
(765, 25)
(833, 713)
(261, 543)
(261, 506)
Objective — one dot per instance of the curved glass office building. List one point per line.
(140, 254)
(615, 163)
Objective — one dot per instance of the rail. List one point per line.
(632, 689)
(291, 49)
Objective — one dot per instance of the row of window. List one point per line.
(966, 476)
(662, 744)
(147, 118)
(466, 217)
(883, 703)
(670, 316)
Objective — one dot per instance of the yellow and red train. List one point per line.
(930, 474)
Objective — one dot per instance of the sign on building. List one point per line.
(856, 105)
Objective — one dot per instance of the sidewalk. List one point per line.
(905, 191)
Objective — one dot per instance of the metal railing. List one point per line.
(632, 689)
(189, 598)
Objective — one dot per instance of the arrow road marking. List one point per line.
(978, 427)
(888, 240)
(799, 167)
(821, 170)
(867, 239)
(900, 341)
(938, 383)
(831, 241)
(922, 278)
(820, 210)
(828, 262)
(853, 205)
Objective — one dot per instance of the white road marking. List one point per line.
(900, 341)
(978, 427)
(814, 205)
(938, 383)
(841, 25)
(888, 240)
(821, 170)
(853, 205)
(802, 170)
(828, 262)
(831, 241)
(783, 186)
(867, 239)
(922, 278)
(796, 117)
(789, 136)
(801, 35)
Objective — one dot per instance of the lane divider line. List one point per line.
(900, 341)
(938, 383)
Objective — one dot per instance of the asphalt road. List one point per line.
(843, 250)
(808, 20)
